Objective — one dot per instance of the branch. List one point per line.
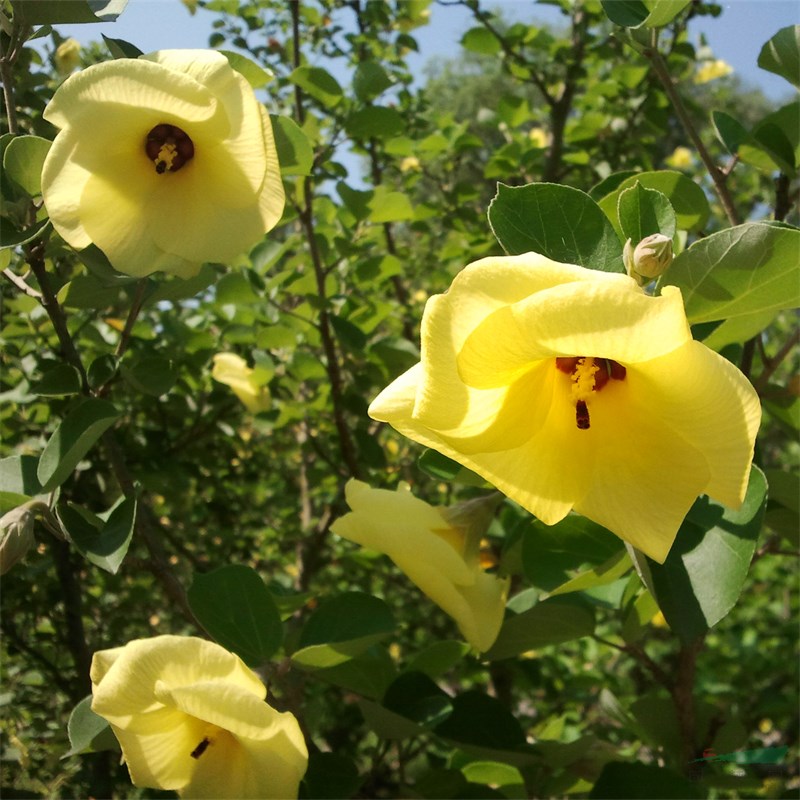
(771, 364)
(717, 175)
(21, 285)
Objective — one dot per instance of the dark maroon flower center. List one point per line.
(168, 147)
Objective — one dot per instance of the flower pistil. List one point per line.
(168, 147)
(588, 375)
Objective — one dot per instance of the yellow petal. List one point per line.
(400, 525)
(127, 686)
(416, 537)
(235, 767)
(232, 370)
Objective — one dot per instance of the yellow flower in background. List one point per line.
(67, 56)
(570, 388)
(681, 158)
(435, 549)
(164, 162)
(410, 164)
(191, 717)
(711, 70)
(539, 137)
(232, 370)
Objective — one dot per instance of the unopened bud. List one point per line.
(650, 258)
(16, 536)
(68, 56)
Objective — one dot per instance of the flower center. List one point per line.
(201, 748)
(168, 147)
(588, 375)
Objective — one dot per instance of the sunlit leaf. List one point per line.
(781, 54)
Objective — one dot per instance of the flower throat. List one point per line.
(588, 375)
(168, 147)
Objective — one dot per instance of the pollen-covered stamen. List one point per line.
(168, 147)
(588, 375)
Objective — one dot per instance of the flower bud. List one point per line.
(16, 536)
(650, 258)
(68, 56)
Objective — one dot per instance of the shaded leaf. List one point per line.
(104, 544)
(119, 48)
(318, 83)
(626, 13)
(703, 575)
(376, 122)
(73, 439)
(548, 622)
(781, 54)
(23, 159)
(41, 12)
(88, 732)
(256, 75)
(370, 80)
(235, 607)
(331, 776)
(295, 153)
(63, 379)
(632, 781)
(642, 212)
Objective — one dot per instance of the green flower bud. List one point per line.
(649, 259)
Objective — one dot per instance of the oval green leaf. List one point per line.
(556, 221)
(23, 160)
(642, 212)
(235, 607)
(781, 54)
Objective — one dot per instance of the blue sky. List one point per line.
(736, 36)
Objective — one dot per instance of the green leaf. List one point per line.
(605, 573)
(175, 289)
(88, 291)
(11, 237)
(781, 54)
(739, 329)
(104, 544)
(740, 271)
(703, 575)
(775, 141)
(481, 40)
(687, 198)
(343, 627)
(236, 289)
(626, 13)
(632, 781)
(638, 617)
(438, 657)
(119, 48)
(444, 468)
(331, 776)
(730, 131)
(63, 379)
(415, 696)
(378, 122)
(151, 375)
(609, 184)
(23, 159)
(295, 153)
(256, 75)
(556, 221)
(72, 440)
(388, 724)
(18, 476)
(42, 12)
(235, 607)
(386, 206)
(370, 80)
(662, 12)
(318, 83)
(548, 622)
(368, 674)
(88, 732)
(482, 724)
(642, 212)
(551, 552)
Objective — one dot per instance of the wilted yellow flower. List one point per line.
(67, 56)
(571, 388)
(681, 158)
(711, 70)
(436, 549)
(164, 162)
(191, 717)
(232, 370)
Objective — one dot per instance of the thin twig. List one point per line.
(717, 175)
(771, 364)
(21, 285)
(133, 313)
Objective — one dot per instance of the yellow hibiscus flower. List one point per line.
(232, 370)
(191, 717)
(436, 549)
(164, 162)
(570, 388)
